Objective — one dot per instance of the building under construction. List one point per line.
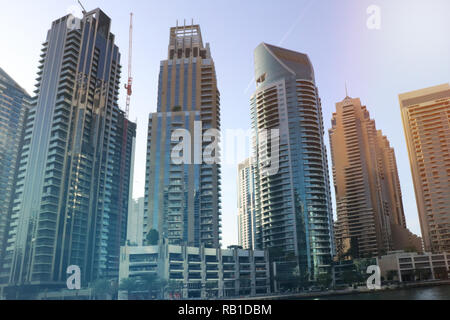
(71, 196)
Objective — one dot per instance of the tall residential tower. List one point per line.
(182, 199)
(71, 196)
(426, 119)
(135, 234)
(370, 213)
(246, 204)
(14, 106)
(293, 204)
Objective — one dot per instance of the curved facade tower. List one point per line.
(293, 204)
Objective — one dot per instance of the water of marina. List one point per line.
(424, 293)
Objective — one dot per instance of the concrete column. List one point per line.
(433, 276)
(252, 273)
(221, 275)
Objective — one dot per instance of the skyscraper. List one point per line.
(426, 115)
(182, 199)
(71, 196)
(135, 234)
(246, 204)
(293, 204)
(14, 106)
(371, 219)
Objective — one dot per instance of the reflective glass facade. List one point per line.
(246, 204)
(71, 196)
(14, 106)
(293, 206)
(182, 201)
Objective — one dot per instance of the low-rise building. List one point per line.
(406, 266)
(202, 272)
(348, 272)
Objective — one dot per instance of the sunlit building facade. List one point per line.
(182, 199)
(426, 115)
(293, 205)
(70, 202)
(371, 219)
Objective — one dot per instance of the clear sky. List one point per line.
(409, 52)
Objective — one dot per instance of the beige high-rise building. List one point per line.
(426, 115)
(371, 219)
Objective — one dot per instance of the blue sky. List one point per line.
(409, 52)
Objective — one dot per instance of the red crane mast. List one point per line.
(129, 85)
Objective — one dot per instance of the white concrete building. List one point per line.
(405, 266)
(204, 273)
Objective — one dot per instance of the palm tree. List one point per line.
(391, 275)
(349, 277)
(103, 289)
(129, 285)
(324, 280)
(152, 238)
(151, 283)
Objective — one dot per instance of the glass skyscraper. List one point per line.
(182, 201)
(246, 204)
(293, 205)
(71, 197)
(14, 106)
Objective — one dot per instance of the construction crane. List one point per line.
(129, 85)
(82, 7)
